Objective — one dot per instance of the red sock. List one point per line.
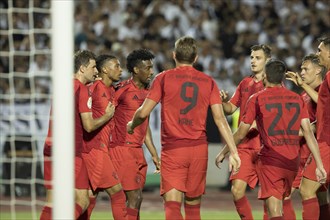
(243, 208)
(118, 205)
(288, 211)
(192, 211)
(265, 212)
(46, 213)
(311, 209)
(77, 211)
(324, 212)
(277, 218)
(87, 214)
(173, 210)
(132, 214)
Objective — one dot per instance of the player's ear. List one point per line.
(173, 55)
(82, 68)
(135, 70)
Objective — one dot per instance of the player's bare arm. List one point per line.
(295, 77)
(141, 114)
(313, 146)
(224, 129)
(91, 124)
(152, 150)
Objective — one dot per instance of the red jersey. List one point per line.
(278, 113)
(247, 87)
(185, 94)
(129, 98)
(311, 107)
(323, 111)
(81, 104)
(101, 95)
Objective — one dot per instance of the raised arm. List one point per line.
(294, 77)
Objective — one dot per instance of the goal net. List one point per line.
(26, 88)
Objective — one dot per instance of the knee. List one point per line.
(275, 211)
(82, 201)
(134, 200)
(237, 192)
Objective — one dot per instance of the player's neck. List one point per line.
(257, 76)
(138, 83)
(315, 83)
(108, 82)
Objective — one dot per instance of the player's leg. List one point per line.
(274, 207)
(241, 202)
(134, 201)
(46, 213)
(192, 207)
(82, 202)
(323, 198)
(118, 201)
(288, 210)
(172, 203)
(92, 202)
(310, 203)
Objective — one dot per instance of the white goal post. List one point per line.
(63, 117)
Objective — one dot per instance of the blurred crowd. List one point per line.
(225, 29)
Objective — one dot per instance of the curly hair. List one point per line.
(136, 57)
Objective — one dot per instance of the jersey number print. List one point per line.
(186, 89)
(279, 107)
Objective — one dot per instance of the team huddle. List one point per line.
(283, 139)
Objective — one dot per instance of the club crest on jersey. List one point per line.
(89, 103)
(135, 97)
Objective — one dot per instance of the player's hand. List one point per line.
(219, 159)
(224, 95)
(294, 77)
(321, 175)
(234, 162)
(156, 161)
(110, 110)
(129, 128)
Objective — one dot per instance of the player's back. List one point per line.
(279, 113)
(185, 95)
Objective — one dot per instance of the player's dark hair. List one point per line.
(136, 57)
(325, 40)
(264, 47)
(275, 71)
(82, 57)
(102, 59)
(185, 50)
(314, 59)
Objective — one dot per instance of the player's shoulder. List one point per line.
(123, 84)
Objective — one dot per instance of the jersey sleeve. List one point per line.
(215, 95)
(155, 92)
(85, 100)
(236, 98)
(249, 114)
(304, 110)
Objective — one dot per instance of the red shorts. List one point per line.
(184, 169)
(81, 177)
(274, 181)
(309, 171)
(130, 165)
(101, 172)
(297, 180)
(247, 172)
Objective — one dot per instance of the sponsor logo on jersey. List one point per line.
(89, 103)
